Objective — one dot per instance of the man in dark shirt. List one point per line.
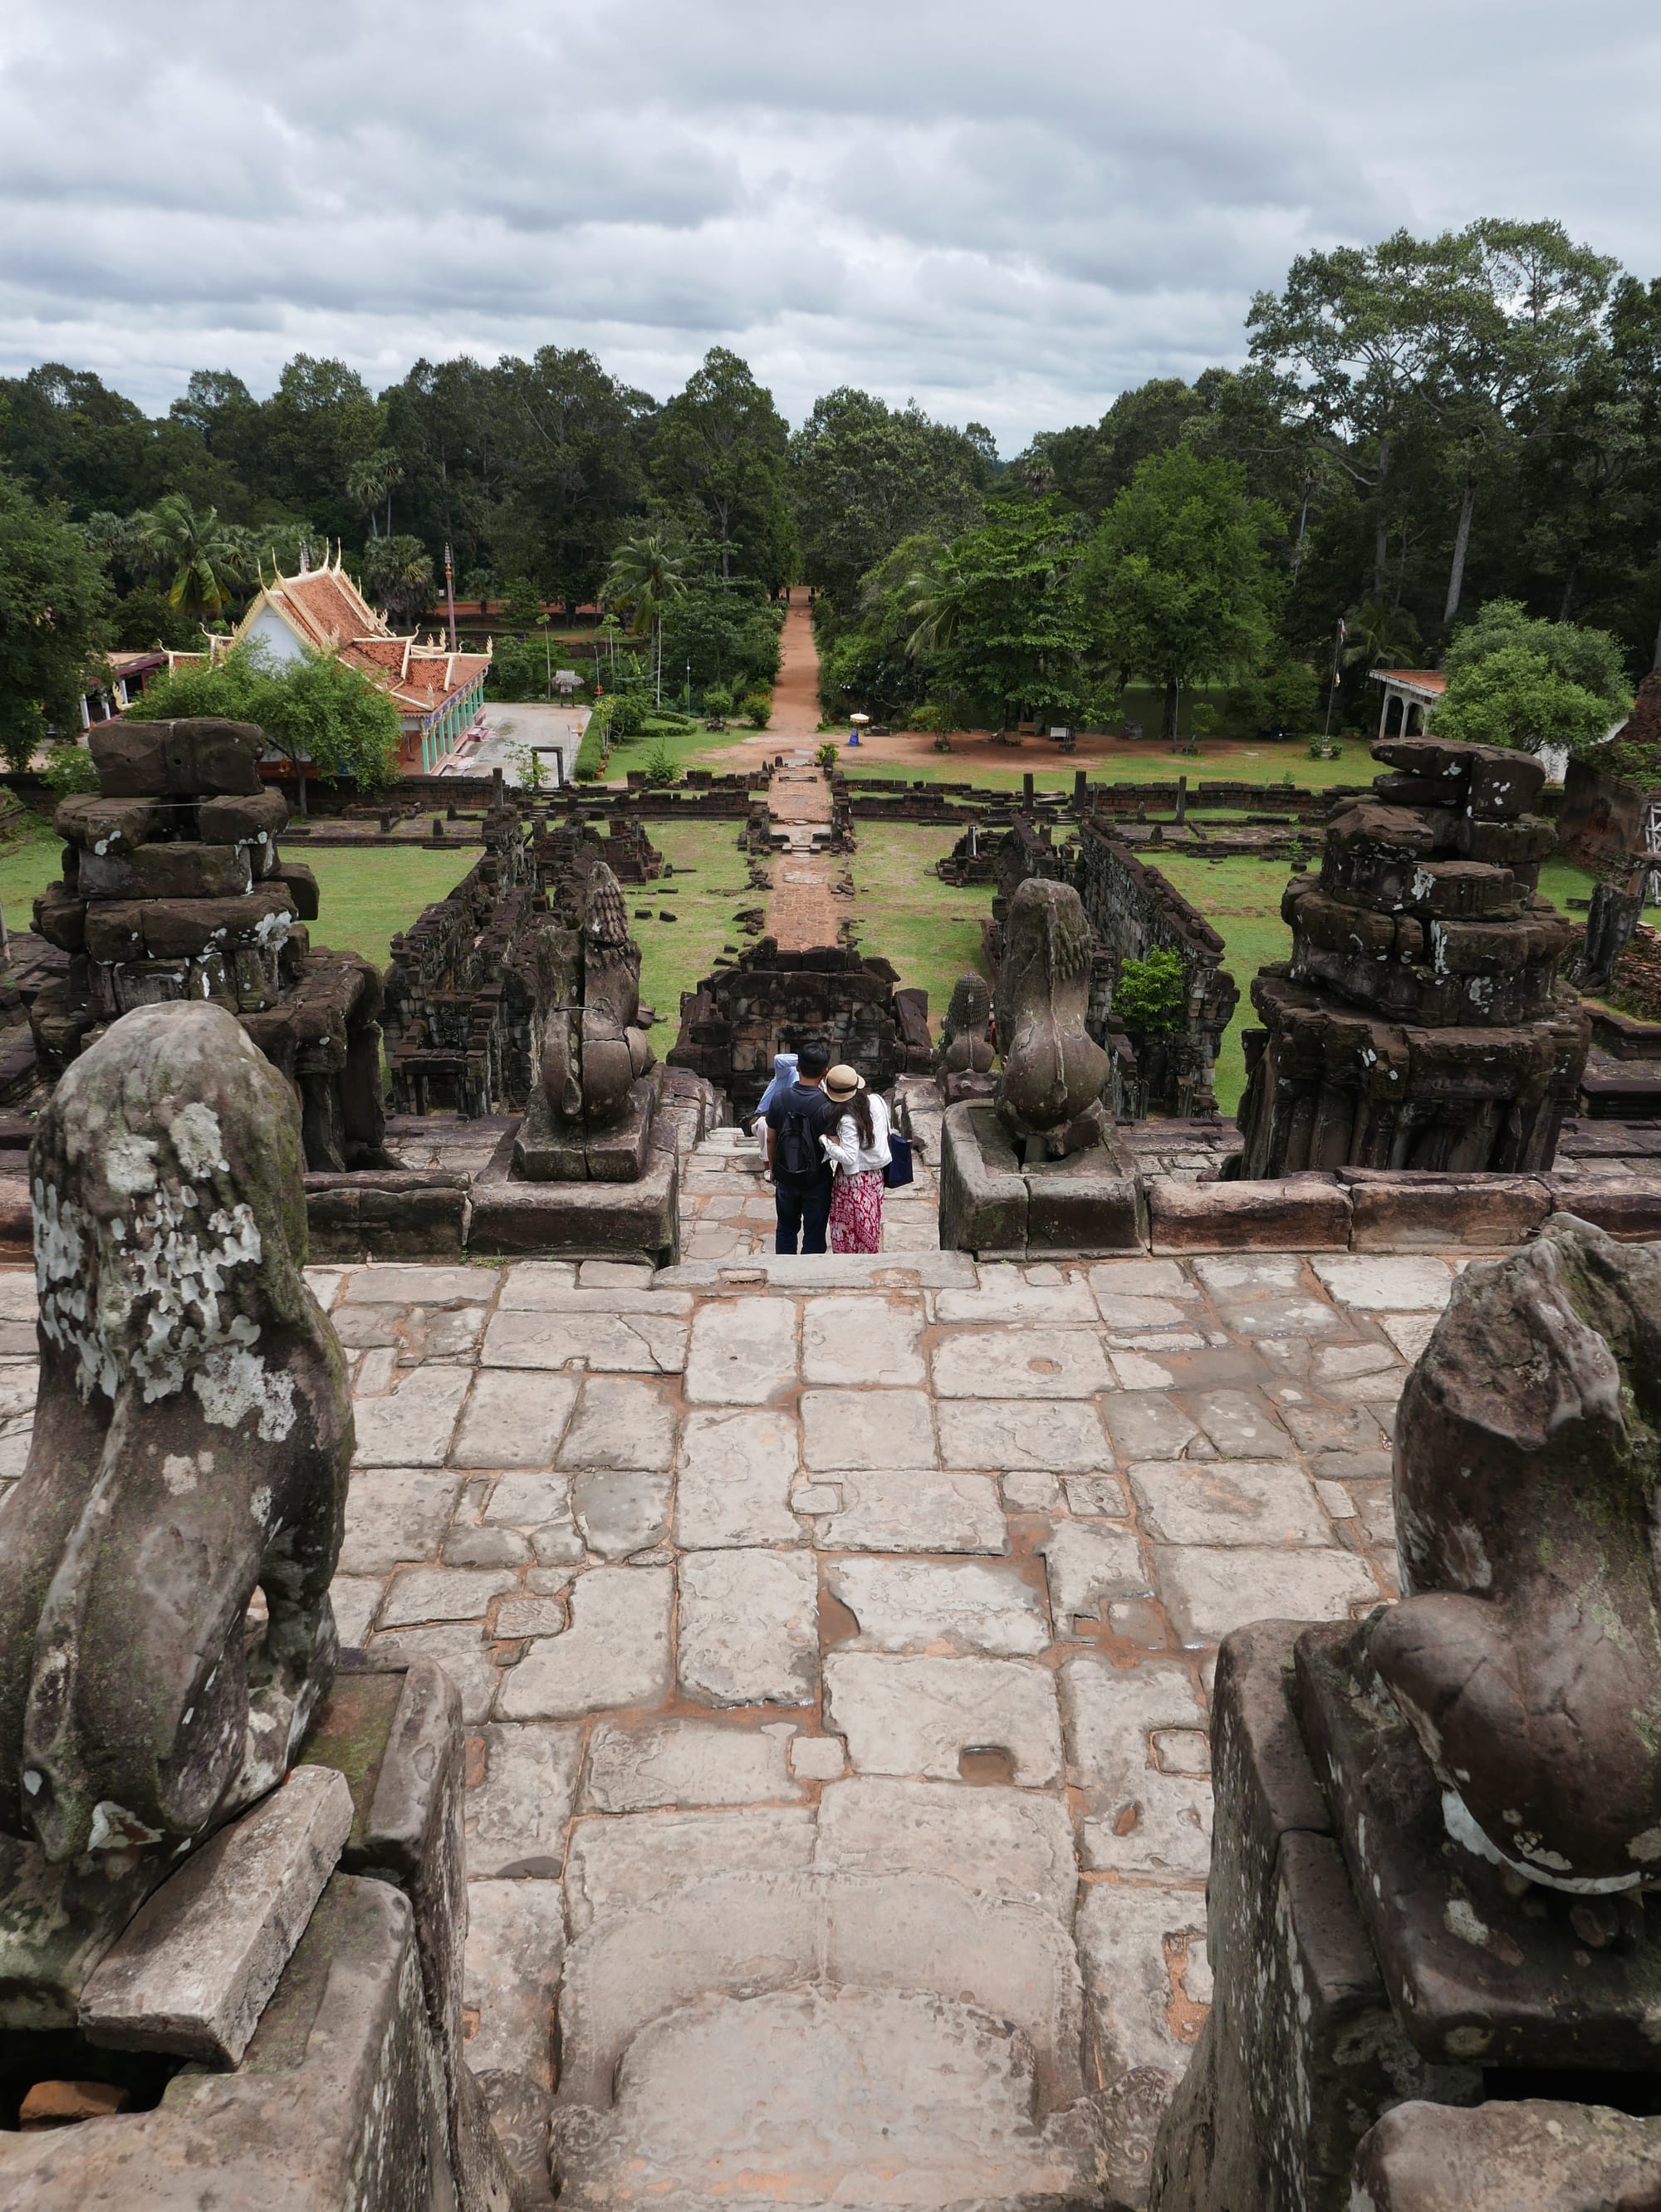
(801, 1174)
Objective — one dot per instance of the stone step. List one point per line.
(743, 1933)
(813, 2097)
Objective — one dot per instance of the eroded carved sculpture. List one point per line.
(192, 1441)
(1049, 1093)
(1526, 1654)
(965, 1046)
(593, 1049)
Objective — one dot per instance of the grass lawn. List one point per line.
(676, 955)
(929, 930)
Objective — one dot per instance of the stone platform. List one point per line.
(833, 1637)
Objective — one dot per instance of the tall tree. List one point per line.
(53, 597)
(319, 426)
(575, 478)
(1002, 607)
(1176, 577)
(646, 578)
(864, 475)
(720, 452)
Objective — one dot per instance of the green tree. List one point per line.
(571, 440)
(398, 574)
(1513, 680)
(1003, 610)
(318, 428)
(1150, 995)
(370, 484)
(207, 565)
(316, 708)
(53, 595)
(1176, 578)
(1087, 468)
(864, 475)
(720, 452)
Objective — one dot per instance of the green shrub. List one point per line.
(592, 752)
(717, 702)
(757, 710)
(69, 768)
(932, 718)
(1151, 996)
(661, 769)
(826, 757)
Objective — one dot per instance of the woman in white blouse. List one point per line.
(857, 1148)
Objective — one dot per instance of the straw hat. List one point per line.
(842, 1081)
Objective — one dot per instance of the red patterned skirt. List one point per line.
(856, 1214)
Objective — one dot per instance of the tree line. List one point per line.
(1423, 431)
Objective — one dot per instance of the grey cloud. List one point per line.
(1007, 216)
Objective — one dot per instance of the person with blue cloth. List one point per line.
(797, 1167)
(784, 1074)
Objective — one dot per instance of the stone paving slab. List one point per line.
(853, 1571)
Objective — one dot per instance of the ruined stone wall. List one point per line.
(770, 1001)
(1134, 911)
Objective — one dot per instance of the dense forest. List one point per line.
(1424, 435)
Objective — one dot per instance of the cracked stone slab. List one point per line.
(599, 1340)
(997, 1842)
(1048, 1436)
(867, 1428)
(743, 1352)
(938, 1607)
(1020, 1363)
(620, 1423)
(1089, 1567)
(396, 1514)
(619, 1863)
(1140, 1279)
(418, 1287)
(1143, 1818)
(1005, 1296)
(1207, 1591)
(1148, 1425)
(1228, 1502)
(511, 1976)
(421, 1596)
(873, 1340)
(684, 1763)
(621, 1510)
(919, 1510)
(616, 1651)
(462, 1651)
(514, 1419)
(902, 1716)
(1239, 1424)
(413, 1425)
(735, 1479)
(522, 1787)
(749, 1627)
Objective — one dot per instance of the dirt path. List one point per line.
(802, 910)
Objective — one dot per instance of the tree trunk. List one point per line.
(1167, 728)
(1455, 575)
(1381, 526)
(1655, 663)
(1567, 601)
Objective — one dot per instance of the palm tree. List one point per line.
(398, 572)
(645, 577)
(211, 561)
(1379, 633)
(371, 483)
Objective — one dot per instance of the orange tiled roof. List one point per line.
(327, 612)
(1431, 681)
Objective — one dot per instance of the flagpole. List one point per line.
(1337, 647)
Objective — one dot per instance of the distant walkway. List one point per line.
(802, 910)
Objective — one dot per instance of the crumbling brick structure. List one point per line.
(1420, 1022)
(769, 1001)
(174, 888)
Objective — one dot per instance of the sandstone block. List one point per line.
(687, 1763)
(513, 1419)
(621, 1510)
(874, 1429)
(603, 1342)
(1228, 1502)
(863, 1341)
(921, 1511)
(1089, 1567)
(192, 1972)
(622, 1862)
(742, 1352)
(1376, 1284)
(920, 1716)
(413, 1424)
(735, 1480)
(1047, 1436)
(749, 1627)
(929, 1606)
(616, 1651)
(1207, 1591)
(619, 1423)
(994, 1841)
(1141, 1818)
(516, 1809)
(515, 1951)
(1020, 1363)
(1302, 1213)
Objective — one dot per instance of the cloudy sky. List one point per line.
(1008, 213)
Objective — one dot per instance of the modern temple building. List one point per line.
(437, 693)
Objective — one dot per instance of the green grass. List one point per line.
(364, 897)
(676, 955)
(929, 930)
(26, 869)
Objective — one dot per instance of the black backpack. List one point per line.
(797, 1159)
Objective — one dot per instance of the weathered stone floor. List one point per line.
(833, 1637)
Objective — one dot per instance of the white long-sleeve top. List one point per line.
(842, 1146)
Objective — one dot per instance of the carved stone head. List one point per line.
(191, 1448)
(1053, 1070)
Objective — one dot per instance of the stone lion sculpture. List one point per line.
(1526, 1654)
(966, 1049)
(191, 1448)
(589, 985)
(1049, 1095)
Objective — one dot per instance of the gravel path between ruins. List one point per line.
(833, 1637)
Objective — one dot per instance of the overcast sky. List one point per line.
(1009, 213)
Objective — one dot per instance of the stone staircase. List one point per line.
(825, 2036)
